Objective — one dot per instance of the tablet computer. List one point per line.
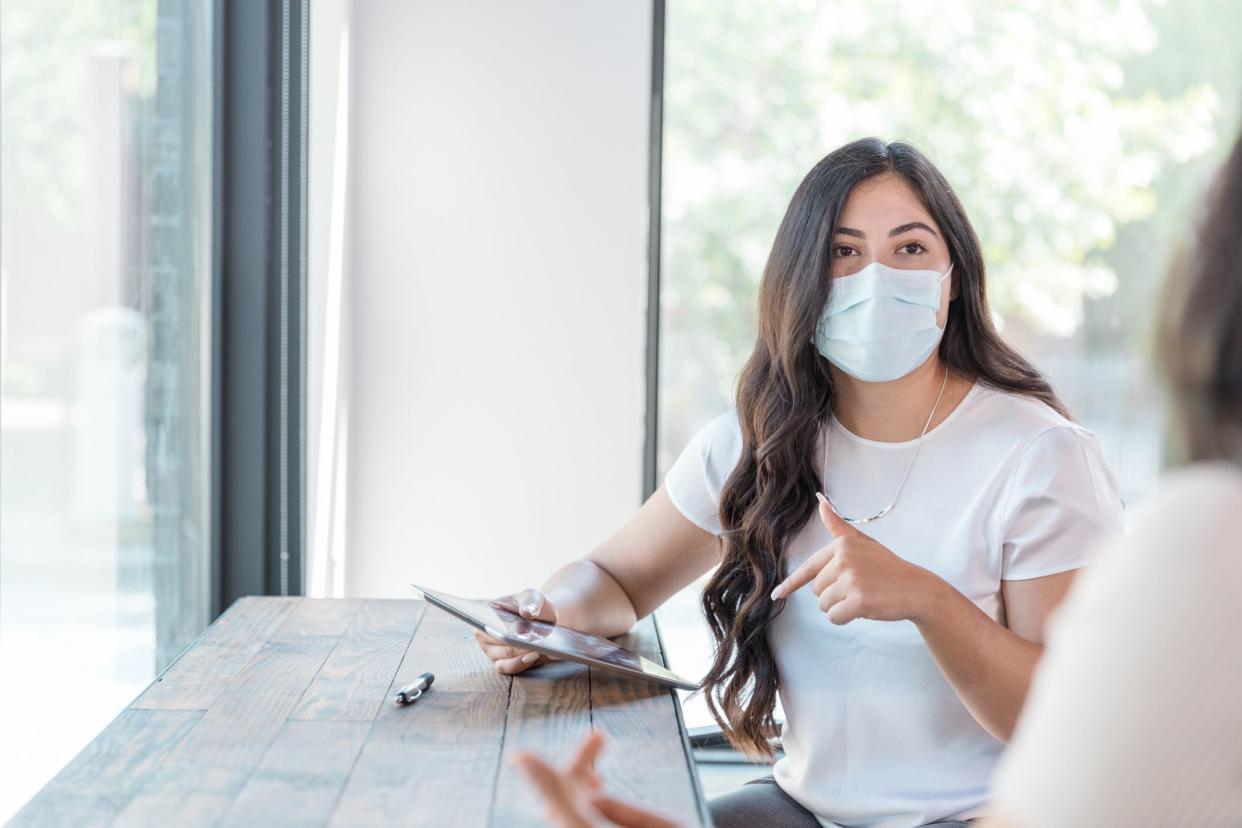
(552, 639)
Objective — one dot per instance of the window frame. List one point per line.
(259, 316)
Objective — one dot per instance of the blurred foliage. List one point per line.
(45, 47)
(1076, 134)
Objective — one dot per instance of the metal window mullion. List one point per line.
(215, 404)
(282, 425)
(655, 211)
(288, 427)
(303, 315)
(287, 419)
(261, 272)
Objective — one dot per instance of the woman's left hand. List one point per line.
(857, 577)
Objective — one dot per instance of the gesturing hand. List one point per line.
(575, 798)
(857, 577)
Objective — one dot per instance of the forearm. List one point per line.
(989, 666)
(588, 599)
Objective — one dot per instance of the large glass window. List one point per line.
(105, 145)
(1078, 136)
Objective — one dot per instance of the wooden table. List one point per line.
(281, 714)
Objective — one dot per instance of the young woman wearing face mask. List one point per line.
(893, 508)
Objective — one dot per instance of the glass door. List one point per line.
(105, 344)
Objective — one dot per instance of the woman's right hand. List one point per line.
(509, 660)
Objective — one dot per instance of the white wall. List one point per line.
(328, 354)
(495, 274)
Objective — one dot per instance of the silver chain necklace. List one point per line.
(904, 477)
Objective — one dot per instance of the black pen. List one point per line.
(411, 692)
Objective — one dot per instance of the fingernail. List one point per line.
(531, 608)
(530, 658)
(776, 593)
(820, 496)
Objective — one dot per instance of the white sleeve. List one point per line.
(1061, 502)
(1135, 714)
(696, 478)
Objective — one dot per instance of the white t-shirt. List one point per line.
(1135, 716)
(1003, 489)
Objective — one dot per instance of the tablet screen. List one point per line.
(563, 641)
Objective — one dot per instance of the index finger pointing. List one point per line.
(804, 574)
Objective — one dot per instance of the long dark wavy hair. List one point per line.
(784, 396)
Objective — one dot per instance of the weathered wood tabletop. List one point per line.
(281, 713)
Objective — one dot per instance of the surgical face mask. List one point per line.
(880, 323)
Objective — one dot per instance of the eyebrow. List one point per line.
(906, 228)
(896, 231)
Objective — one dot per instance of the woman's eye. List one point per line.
(913, 248)
(843, 250)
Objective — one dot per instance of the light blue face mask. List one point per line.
(879, 324)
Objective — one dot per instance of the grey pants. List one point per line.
(761, 802)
